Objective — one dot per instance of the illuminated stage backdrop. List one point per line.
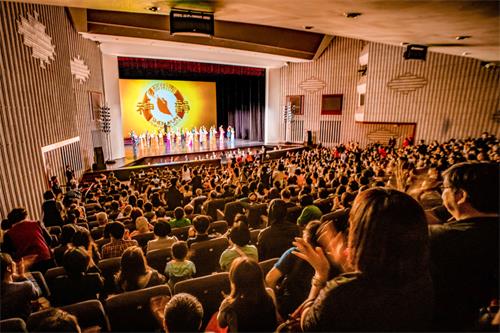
(152, 104)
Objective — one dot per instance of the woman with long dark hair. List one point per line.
(387, 284)
(250, 305)
(135, 273)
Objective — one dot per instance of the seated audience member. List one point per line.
(135, 273)
(50, 211)
(58, 321)
(294, 273)
(179, 268)
(117, 244)
(102, 221)
(189, 211)
(78, 284)
(286, 197)
(142, 226)
(278, 237)
(309, 212)
(250, 306)
(239, 240)
(67, 233)
(27, 237)
(17, 290)
(162, 241)
(387, 284)
(125, 213)
(148, 211)
(183, 313)
(83, 240)
(201, 223)
(114, 210)
(179, 221)
(464, 252)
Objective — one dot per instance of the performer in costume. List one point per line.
(221, 133)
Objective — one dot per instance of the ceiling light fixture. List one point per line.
(462, 37)
(153, 9)
(352, 14)
(404, 43)
(466, 53)
(308, 27)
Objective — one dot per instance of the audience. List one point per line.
(58, 320)
(18, 291)
(162, 241)
(183, 313)
(179, 268)
(464, 252)
(239, 240)
(250, 307)
(135, 273)
(117, 244)
(278, 237)
(387, 284)
(179, 221)
(201, 223)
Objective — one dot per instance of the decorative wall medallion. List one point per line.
(79, 69)
(312, 85)
(35, 37)
(407, 83)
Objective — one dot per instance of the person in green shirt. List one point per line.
(310, 211)
(239, 238)
(179, 221)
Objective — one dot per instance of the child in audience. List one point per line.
(179, 268)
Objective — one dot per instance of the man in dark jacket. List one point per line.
(173, 196)
(464, 253)
(274, 240)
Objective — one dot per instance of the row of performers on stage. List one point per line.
(179, 135)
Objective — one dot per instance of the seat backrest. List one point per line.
(254, 213)
(218, 226)
(208, 290)
(55, 230)
(254, 235)
(205, 255)
(13, 325)
(89, 314)
(83, 225)
(101, 242)
(212, 207)
(231, 209)
(42, 284)
(131, 312)
(109, 267)
(293, 213)
(143, 239)
(158, 259)
(181, 233)
(266, 265)
(198, 202)
(52, 273)
(97, 232)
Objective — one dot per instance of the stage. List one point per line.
(166, 152)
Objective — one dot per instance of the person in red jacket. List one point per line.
(27, 238)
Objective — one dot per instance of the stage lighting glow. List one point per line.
(154, 105)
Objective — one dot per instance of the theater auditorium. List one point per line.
(249, 166)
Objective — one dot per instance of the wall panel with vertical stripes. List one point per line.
(38, 106)
(445, 96)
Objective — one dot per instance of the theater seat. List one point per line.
(42, 284)
(52, 274)
(212, 207)
(266, 265)
(131, 312)
(208, 290)
(218, 227)
(13, 325)
(109, 267)
(254, 235)
(181, 233)
(158, 259)
(254, 213)
(206, 254)
(89, 314)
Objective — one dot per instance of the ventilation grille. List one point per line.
(297, 128)
(329, 131)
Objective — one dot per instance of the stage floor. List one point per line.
(138, 151)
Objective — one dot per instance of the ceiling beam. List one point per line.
(78, 18)
(325, 42)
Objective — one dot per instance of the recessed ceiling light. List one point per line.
(404, 43)
(308, 27)
(352, 14)
(462, 37)
(154, 8)
(466, 53)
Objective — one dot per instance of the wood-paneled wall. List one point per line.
(458, 100)
(452, 96)
(40, 106)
